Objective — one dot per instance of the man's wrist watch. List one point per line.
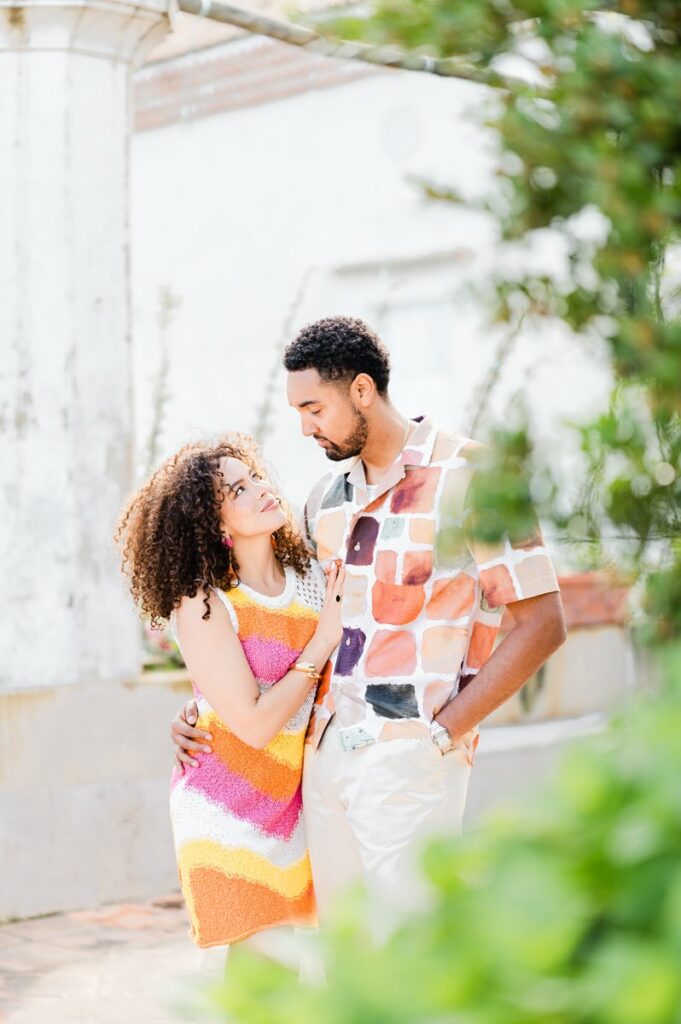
(441, 737)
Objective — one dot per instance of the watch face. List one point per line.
(441, 737)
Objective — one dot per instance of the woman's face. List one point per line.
(249, 506)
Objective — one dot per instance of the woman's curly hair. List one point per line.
(170, 532)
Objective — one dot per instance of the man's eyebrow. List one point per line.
(308, 401)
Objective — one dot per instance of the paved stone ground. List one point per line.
(122, 964)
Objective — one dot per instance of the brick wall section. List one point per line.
(232, 76)
(589, 599)
(594, 599)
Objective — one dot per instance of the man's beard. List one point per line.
(353, 443)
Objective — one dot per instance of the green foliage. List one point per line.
(568, 913)
(589, 146)
(500, 490)
(633, 485)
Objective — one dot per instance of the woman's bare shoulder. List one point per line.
(191, 610)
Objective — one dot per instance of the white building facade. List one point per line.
(268, 187)
(272, 187)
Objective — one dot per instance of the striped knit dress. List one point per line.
(237, 817)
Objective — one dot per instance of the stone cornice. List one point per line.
(113, 30)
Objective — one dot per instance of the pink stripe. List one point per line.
(269, 659)
(236, 795)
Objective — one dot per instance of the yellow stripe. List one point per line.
(287, 747)
(240, 599)
(203, 853)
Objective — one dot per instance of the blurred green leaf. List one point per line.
(567, 911)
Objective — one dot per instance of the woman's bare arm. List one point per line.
(216, 662)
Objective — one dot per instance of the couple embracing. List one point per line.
(341, 668)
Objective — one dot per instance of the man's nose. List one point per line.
(307, 427)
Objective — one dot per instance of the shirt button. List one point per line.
(357, 547)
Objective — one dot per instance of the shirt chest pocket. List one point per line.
(404, 568)
(398, 591)
(370, 543)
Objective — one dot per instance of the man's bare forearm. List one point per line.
(538, 631)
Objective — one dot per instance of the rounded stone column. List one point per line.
(65, 372)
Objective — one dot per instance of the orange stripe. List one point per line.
(225, 909)
(277, 780)
(294, 630)
(324, 684)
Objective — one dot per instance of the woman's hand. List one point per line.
(329, 627)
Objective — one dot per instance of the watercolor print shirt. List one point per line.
(423, 601)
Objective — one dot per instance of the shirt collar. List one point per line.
(419, 449)
(417, 452)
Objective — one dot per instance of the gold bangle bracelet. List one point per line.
(309, 669)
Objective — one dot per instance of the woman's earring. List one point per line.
(228, 542)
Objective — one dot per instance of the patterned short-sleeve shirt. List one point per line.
(423, 601)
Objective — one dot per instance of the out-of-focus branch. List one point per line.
(308, 39)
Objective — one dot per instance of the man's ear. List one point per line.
(363, 389)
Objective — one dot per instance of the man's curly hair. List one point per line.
(339, 348)
(170, 536)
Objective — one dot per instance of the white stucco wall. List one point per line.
(233, 211)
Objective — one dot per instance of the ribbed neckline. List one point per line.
(279, 599)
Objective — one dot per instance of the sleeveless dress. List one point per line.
(237, 818)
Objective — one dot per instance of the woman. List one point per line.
(209, 546)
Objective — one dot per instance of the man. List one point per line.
(391, 743)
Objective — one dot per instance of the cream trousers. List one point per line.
(368, 813)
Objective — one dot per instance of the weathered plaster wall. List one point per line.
(65, 386)
(84, 775)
